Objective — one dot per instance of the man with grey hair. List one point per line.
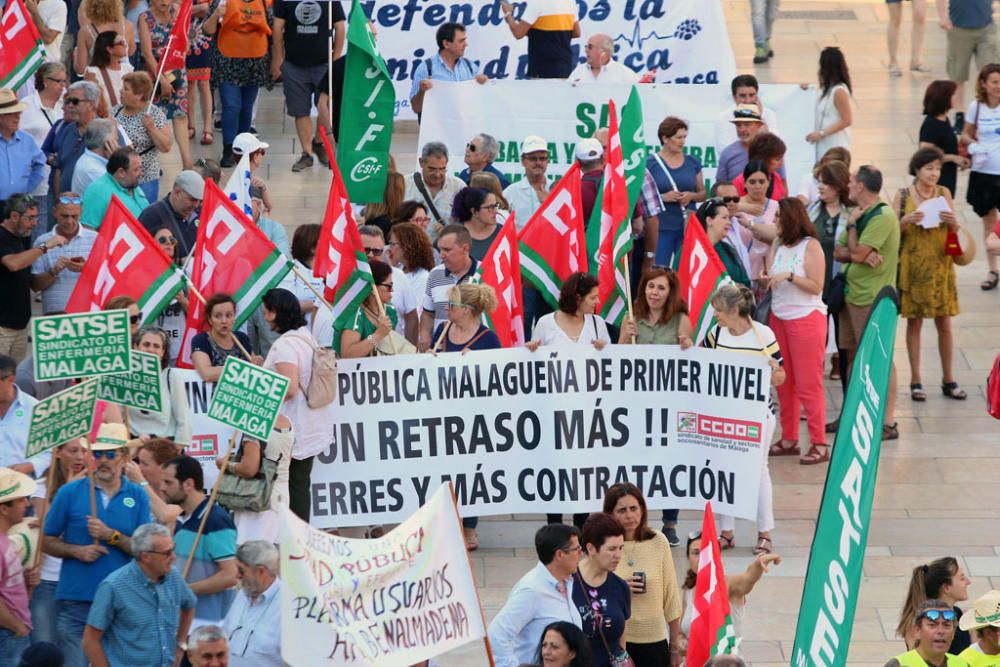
(207, 647)
(141, 612)
(64, 144)
(253, 623)
(433, 186)
(100, 140)
(600, 65)
(480, 153)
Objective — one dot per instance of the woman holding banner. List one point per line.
(737, 332)
(174, 422)
(648, 568)
(210, 349)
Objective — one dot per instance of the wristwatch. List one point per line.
(41, 246)
(650, 255)
(115, 538)
(182, 645)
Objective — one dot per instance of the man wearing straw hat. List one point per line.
(15, 618)
(984, 618)
(90, 528)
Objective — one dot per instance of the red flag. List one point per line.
(501, 270)
(340, 256)
(231, 256)
(175, 54)
(125, 261)
(712, 630)
(614, 224)
(552, 244)
(701, 272)
(21, 48)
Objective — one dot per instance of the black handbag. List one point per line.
(835, 293)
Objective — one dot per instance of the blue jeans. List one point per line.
(151, 190)
(11, 647)
(668, 244)
(237, 109)
(762, 15)
(70, 626)
(44, 611)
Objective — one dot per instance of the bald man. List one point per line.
(601, 65)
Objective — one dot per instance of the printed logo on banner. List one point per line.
(204, 445)
(696, 424)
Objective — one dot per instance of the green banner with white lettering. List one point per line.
(248, 398)
(367, 108)
(830, 594)
(81, 345)
(139, 388)
(61, 417)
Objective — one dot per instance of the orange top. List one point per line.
(244, 31)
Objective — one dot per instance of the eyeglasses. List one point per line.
(135, 319)
(421, 220)
(491, 207)
(568, 550)
(471, 148)
(109, 454)
(73, 101)
(536, 158)
(61, 82)
(375, 252)
(165, 552)
(456, 304)
(935, 615)
(387, 286)
(70, 199)
(166, 240)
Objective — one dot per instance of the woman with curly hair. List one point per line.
(410, 249)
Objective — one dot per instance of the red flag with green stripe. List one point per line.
(340, 256)
(615, 239)
(501, 270)
(553, 246)
(701, 272)
(21, 48)
(712, 631)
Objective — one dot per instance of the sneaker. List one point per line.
(670, 532)
(894, 71)
(770, 51)
(320, 150)
(228, 158)
(217, 124)
(304, 162)
(760, 55)
(920, 67)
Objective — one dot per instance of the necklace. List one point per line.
(630, 556)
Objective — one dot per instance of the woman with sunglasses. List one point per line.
(97, 16)
(714, 217)
(174, 420)
(146, 128)
(154, 36)
(942, 579)
(173, 317)
(107, 68)
(738, 587)
(211, 348)
(369, 325)
(477, 210)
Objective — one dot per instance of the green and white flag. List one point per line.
(830, 594)
(21, 47)
(368, 106)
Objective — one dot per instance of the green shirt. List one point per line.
(97, 198)
(363, 325)
(659, 333)
(877, 229)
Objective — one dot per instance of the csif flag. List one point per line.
(340, 256)
(175, 55)
(701, 272)
(552, 244)
(231, 256)
(21, 48)
(615, 229)
(125, 261)
(238, 186)
(501, 270)
(712, 630)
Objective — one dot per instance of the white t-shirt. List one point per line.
(53, 13)
(549, 333)
(312, 428)
(987, 122)
(613, 72)
(403, 298)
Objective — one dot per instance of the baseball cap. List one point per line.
(246, 143)
(191, 182)
(532, 144)
(589, 149)
(746, 113)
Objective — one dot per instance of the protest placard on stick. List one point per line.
(139, 388)
(61, 417)
(81, 344)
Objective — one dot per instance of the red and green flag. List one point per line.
(21, 47)
(125, 261)
(340, 256)
(231, 256)
(175, 55)
(701, 272)
(712, 630)
(501, 270)
(552, 244)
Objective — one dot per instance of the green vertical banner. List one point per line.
(830, 594)
(367, 108)
(634, 152)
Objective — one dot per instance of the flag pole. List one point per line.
(628, 292)
(163, 61)
(49, 481)
(90, 480)
(311, 288)
(200, 297)
(381, 309)
(444, 332)
(211, 500)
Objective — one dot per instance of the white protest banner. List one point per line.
(455, 112)
(140, 388)
(206, 433)
(81, 345)
(547, 431)
(685, 41)
(390, 602)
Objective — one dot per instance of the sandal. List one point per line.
(471, 539)
(835, 366)
(890, 431)
(763, 545)
(917, 392)
(779, 448)
(206, 138)
(816, 454)
(726, 541)
(952, 390)
(992, 279)
(190, 133)
(831, 427)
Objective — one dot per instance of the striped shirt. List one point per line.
(720, 338)
(439, 283)
(549, 53)
(217, 543)
(54, 298)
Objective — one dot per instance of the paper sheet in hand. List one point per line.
(932, 210)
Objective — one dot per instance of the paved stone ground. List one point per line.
(936, 483)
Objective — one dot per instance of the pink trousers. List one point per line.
(803, 346)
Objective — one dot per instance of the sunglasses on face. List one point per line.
(934, 615)
(109, 454)
(471, 148)
(455, 304)
(74, 200)
(166, 240)
(61, 82)
(377, 252)
(73, 101)
(135, 319)
(729, 200)
(386, 286)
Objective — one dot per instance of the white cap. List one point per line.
(533, 144)
(246, 143)
(589, 149)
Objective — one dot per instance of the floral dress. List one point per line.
(926, 275)
(141, 141)
(176, 104)
(199, 58)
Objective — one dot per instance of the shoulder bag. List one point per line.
(622, 659)
(322, 389)
(248, 494)
(422, 189)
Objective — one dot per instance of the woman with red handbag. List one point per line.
(926, 270)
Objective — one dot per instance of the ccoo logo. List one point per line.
(367, 168)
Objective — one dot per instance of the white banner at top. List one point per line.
(685, 41)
